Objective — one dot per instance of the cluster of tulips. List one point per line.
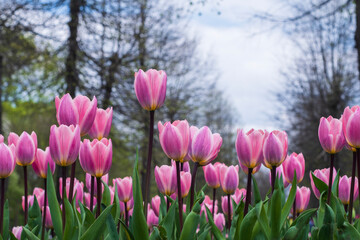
(82, 134)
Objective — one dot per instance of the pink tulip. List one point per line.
(78, 189)
(275, 148)
(102, 123)
(78, 111)
(39, 193)
(229, 178)
(7, 160)
(42, 161)
(279, 173)
(87, 200)
(1, 138)
(150, 88)
(25, 147)
(129, 205)
(30, 201)
(155, 204)
(204, 145)
(249, 147)
(212, 174)
(124, 187)
(224, 205)
(209, 204)
(17, 231)
(344, 189)
(186, 167)
(64, 144)
(48, 220)
(239, 194)
(219, 220)
(302, 198)
(246, 169)
(294, 162)
(104, 178)
(165, 177)
(323, 175)
(96, 156)
(152, 219)
(331, 135)
(185, 179)
(351, 126)
(174, 139)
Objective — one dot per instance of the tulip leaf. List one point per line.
(106, 198)
(289, 202)
(256, 192)
(275, 214)
(348, 231)
(88, 220)
(262, 219)
(6, 220)
(191, 223)
(300, 227)
(237, 219)
(214, 229)
(111, 227)
(335, 186)
(97, 228)
(70, 227)
(320, 185)
(248, 224)
(155, 235)
(167, 222)
(116, 211)
(34, 217)
(54, 205)
(29, 234)
(125, 230)
(139, 220)
(205, 234)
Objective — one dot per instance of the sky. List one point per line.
(248, 58)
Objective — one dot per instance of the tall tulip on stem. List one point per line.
(174, 139)
(204, 148)
(212, 178)
(249, 148)
(332, 140)
(125, 193)
(7, 166)
(351, 129)
(275, 151)
(25, 150)
(150, 90)
(42, 162)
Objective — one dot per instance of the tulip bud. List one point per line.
(48, 220)
(302, 198)
(212, 174)
(344, 189)
(229, 178)
(150, 88)
(174, 139)
(275, 148)
(204, 146)
(96, 156)
(219, 220)
(104, 178)
(25, 147)
(102, 123)
(351, 126)
(185, 179)
(155, 204)
(64, 144)
(239, 194)
(78, 189)
(42, 161)
(249, 147)
(152, 219)
(331, 135)
(294, 162)
(124, 187)
(186, 167)
(87, 200)
(279, 173)
(78, 111)
(17, 231)
(165, 177)
(7, 160)
(224, 205)
(323, 175)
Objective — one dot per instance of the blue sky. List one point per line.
(249, 59)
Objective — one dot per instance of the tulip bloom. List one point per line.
(48, 220)
(155, 204)
(124, 187)
(280, 173)
(344, 189)
(294, 162)
(96, 156)
(42, 161)
(174, 139)
(239, 194)
(302, 198)
(351, 126)
(331, 135)
(150, 88)
(275, 148)
(88, 201)
(229, 178)
(210, 204)
(185, 183)
(224, 205)
(25, 147)
(78, 187)
(246, 169)
(104, 178)
(64, 144)
(323, 175)
(204, 145)
(78, 111)
(249, 147)
(219, 220)
(102, 123)
(7, 160)
(212, 174)
(17, 231)
(152, 219)
(165, 177)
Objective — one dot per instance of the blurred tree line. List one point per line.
(93, 47)
(322, 78)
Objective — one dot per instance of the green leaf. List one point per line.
(6, 220)
(126, 231)
(248, 224)
(191, 223)
(335, 186)
(116, 211)
(298, 226)
(236, 223)
(155, 235)
(256, 192)
(348, 231)
(29, 234)
(70, 228)
(204, 234)
(88, 218)
(54, 206)
(97, 228)
(113, 234)
(34, 218)
(289, 202)
(167, 222)
(106, 198)
(262, 219)
(139, 220)
(320, 185)
(275, 214)
(216, 232)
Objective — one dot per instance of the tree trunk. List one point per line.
(71, 75)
